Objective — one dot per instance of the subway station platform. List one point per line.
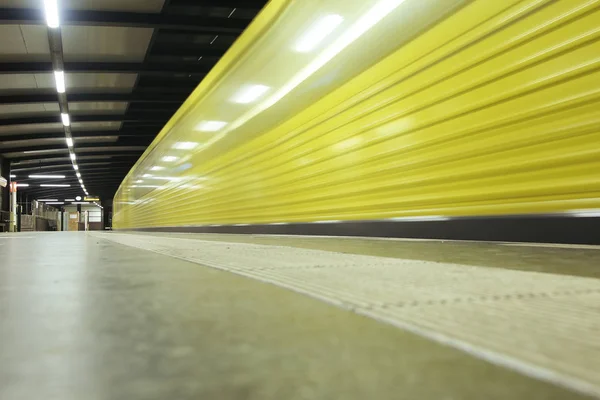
(190, 316)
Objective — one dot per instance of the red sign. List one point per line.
(13, 187)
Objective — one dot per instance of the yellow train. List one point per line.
(340, 112)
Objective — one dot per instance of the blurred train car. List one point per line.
(416, 118)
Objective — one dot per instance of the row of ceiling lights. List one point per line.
(53, 22)
(42, 176)
(75, 201)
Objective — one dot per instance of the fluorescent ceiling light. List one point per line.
(157, 168)
(80, 202)
(22, 184)
(78, 174)
(185, 145)
(249, 93)
(75, 167)
(210, 126)
(47, 199)
(56, 202)
(13, 176)
(54, 185)
(80, 181)
(51, 10)
(69, 199)
(73, 156)
(170, 158)
(46, 176)
(66, 120)
(70, 142)
(59, 78)
(317, 32)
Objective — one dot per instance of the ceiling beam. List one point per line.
(55, 118)
(43, 160)
(64, 167)
(158, 69)
(30, 157)
(114, 146)
(50, 97)
(24, 137)
(27, 16)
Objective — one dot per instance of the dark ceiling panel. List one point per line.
(251, 4)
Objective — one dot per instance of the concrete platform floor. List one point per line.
(142, 317)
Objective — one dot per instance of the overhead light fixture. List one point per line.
(73, 156)
(46, 176)
(56, 202)
(69, 199)
(185, 145)
(54, 185)
(22, 184)
(59, 78)
(80, 181)
(80, 202)
(13, 176)
(249, 93)
(51, 10)
(78, 175)
(75, 167)
(44, 200)
(66, 120)
(157, 168)
(70, 142)
(78, 198)
(170, 158)
(210, 126)
(318, 32)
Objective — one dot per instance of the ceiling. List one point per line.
(128, 66)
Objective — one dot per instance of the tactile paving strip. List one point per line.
(543, 325)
